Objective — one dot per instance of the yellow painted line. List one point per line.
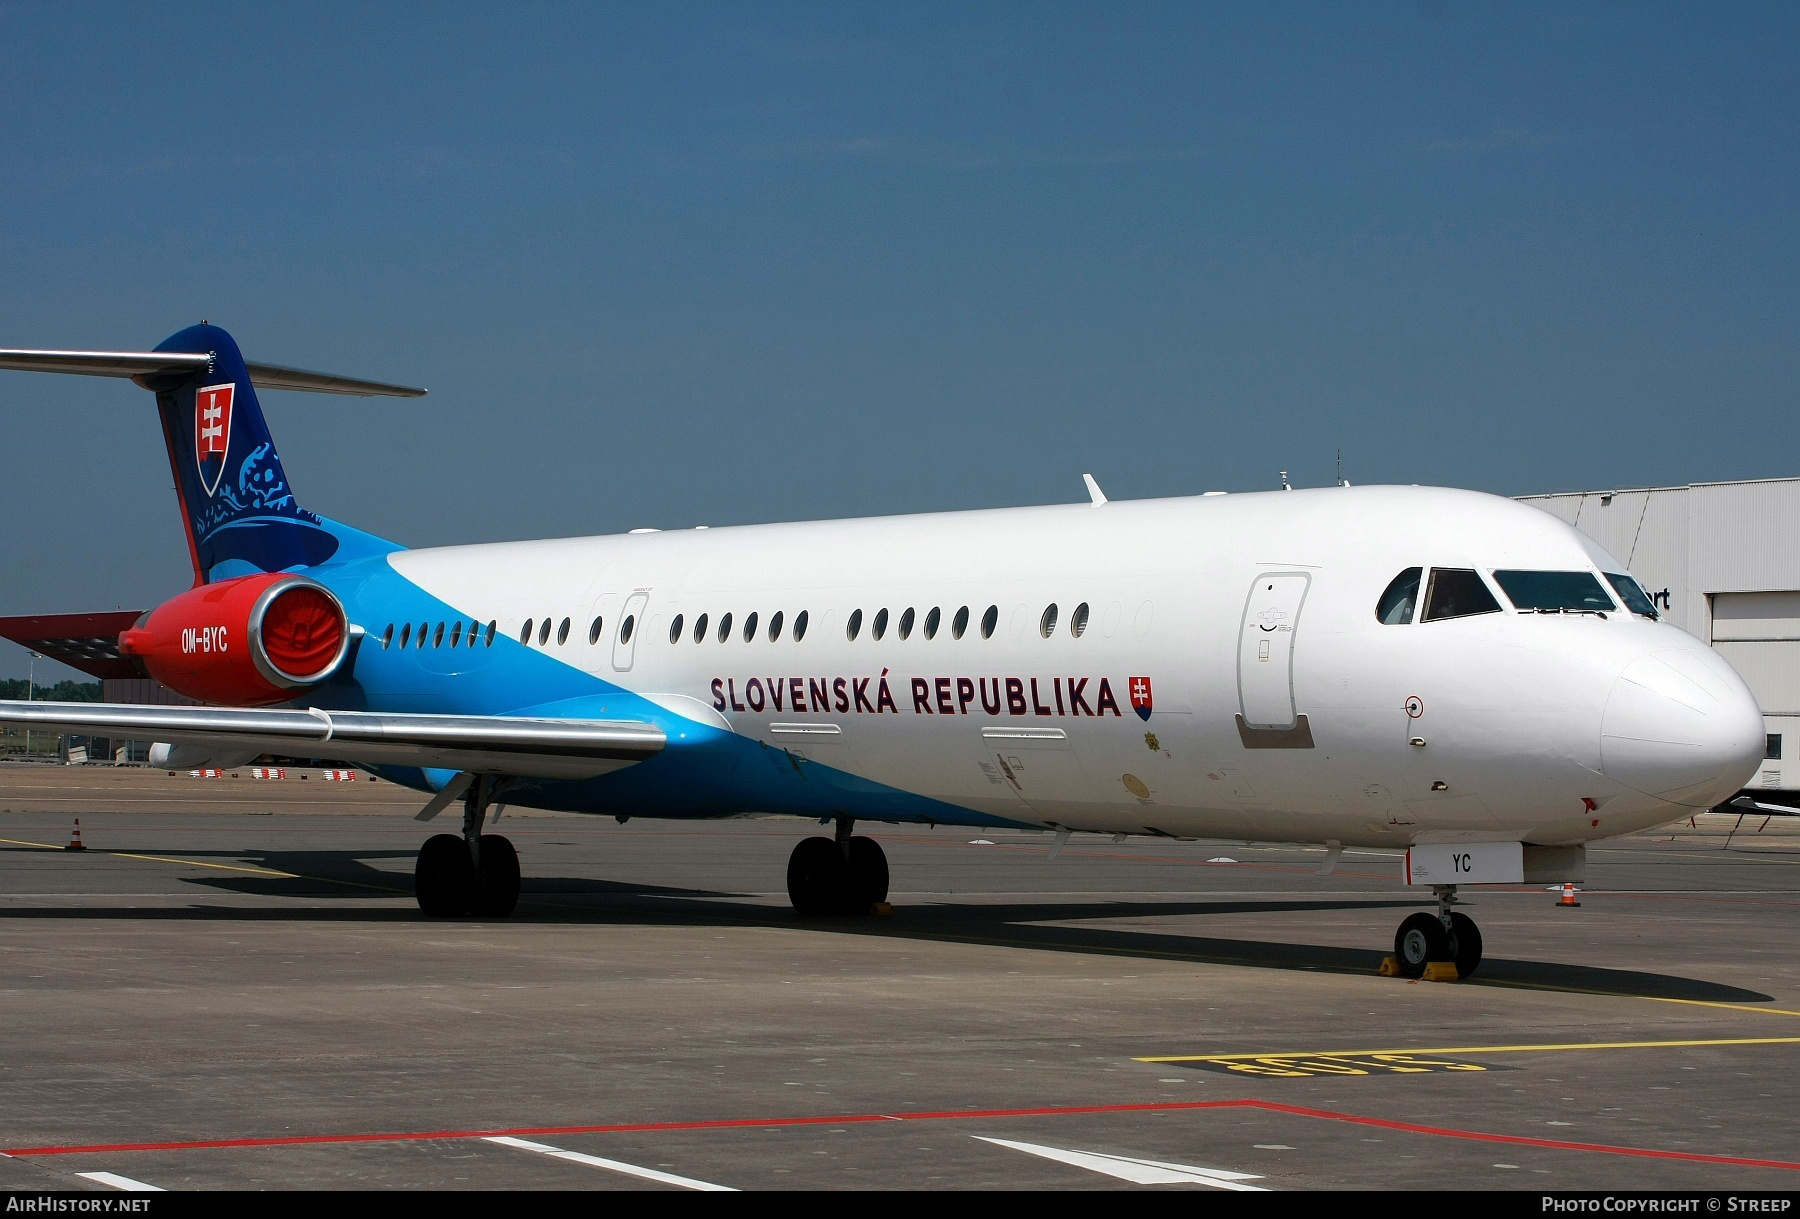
(1736, 1007)
(224, 867)
(195, 863)
(1508, 984)
(1483, 1049)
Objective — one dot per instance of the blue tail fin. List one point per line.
(239, 510)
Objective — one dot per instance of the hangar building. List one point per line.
(1721, 561)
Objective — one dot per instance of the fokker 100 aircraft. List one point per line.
(1447, 672)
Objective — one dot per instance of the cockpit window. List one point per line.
(1633, 595)
(1457, 593)
(1552, 592)
(1396, 605)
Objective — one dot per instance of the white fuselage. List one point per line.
(1279, 707)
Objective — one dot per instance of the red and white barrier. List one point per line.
(339, 776)
(209, 773)
(268, 772)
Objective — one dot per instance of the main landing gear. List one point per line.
(845, 875)
(1449, 935)
(475, 874)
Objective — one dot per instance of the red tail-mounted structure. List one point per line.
(251, 641)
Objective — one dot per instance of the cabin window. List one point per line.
(437, 640)
(562, 633)
(474, 630)
(525, 632)
(700, 629)
(1633, 595)
(1078, 620)
(1047, 624)
(931, 622)
(724, 626)
(675, 630)
(1396, 605)
(878, 628)
(493, 624)
(626, 627)
(1457, 592)
(455, 634)
(387, 637)
(405, 634)
(749, 626)
(775, 626)
(906, 621)
(800, 626)
(960, 623)
(853, 628)
(989, 621)
(544, 633)
(1552, 592)
(594, 630)
(423, 628)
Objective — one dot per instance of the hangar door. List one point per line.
(1759, 633)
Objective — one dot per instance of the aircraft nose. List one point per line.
(1681, 725)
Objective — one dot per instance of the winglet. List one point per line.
(1094, 491)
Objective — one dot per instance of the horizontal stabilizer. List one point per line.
(484, 744)
(145, 364)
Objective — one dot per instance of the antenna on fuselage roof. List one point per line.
(1341, 480)
(1095, 494)
(1285, 485)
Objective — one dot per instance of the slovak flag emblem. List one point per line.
(1141, 701)
(212, 432)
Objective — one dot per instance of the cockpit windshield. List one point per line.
(1633, 595)
(1457, 592)
(1396, 605)
(1551, 592)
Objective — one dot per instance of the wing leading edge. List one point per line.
(478, 744)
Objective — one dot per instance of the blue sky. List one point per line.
(672, 265)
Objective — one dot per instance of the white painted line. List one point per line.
(1139, 1172)
(630, 1170)
(126, 1183)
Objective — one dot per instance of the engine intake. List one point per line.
(250, 641)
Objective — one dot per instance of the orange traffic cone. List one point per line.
(75, 838)
(1568, 901)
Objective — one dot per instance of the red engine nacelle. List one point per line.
(246, 642)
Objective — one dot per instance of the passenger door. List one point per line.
(631, 625)
(1266, 649)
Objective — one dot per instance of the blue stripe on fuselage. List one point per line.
(702, 772)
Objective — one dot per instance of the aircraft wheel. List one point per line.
(816, 876)
(498, 893)
(1465, 943)
(443, 878)
(1420, 940)
(868, 879)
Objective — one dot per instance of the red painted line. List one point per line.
(620, 1128)
(1329, 1115)
(1448, 1132)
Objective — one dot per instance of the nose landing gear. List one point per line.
(842, 875)
(476, 873)
(1449, 935)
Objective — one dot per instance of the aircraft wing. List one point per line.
(1748, 804)
(477, 744)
